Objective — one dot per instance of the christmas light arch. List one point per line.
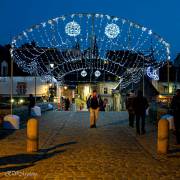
(82, 41)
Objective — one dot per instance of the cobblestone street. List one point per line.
(69, 149)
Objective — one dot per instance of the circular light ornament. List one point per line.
(83, 73)
(97, 73)
(73, 29)
(112, 30)
(152, 73)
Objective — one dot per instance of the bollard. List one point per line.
(160, 112)
(32, 135)
(163, 136)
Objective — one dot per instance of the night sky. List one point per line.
(162, 16)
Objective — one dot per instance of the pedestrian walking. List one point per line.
(130, 108)
(175, 106)
(153, 111)
(31, 104)
(140, 104)
(67, 104)
(93, 104)
(102, 105)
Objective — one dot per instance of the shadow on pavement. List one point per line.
(174, 152)
(21, 161)
(121, 122)
(15, 168)
(57, 146)
(6, 132)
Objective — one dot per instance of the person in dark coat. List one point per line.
(130, 108)
(175, 106)
(67, 104)
(31, 100)
(140, 104)
(102, 105)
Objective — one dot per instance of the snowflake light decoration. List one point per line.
(83, 73)
(97, 73)
(73, 29)
(112, 30)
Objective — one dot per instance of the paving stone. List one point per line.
(71, 150)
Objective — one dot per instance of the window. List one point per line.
(21, 88)
(4, 69)
(105, 90)
(165, 89)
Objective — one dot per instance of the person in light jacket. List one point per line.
(93, 104)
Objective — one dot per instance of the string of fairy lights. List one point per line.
(90, 43)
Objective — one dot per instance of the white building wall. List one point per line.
(41, 87)
(108, 85)
(117, 102)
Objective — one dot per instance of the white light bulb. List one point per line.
(43, 24)
(115, 18)
(150, 32)
(144, 28)
(72, 15)
(50, 22)
(51, 65)
(96, 15)
(108, 17)
(123, 21)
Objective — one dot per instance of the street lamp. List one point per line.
(51, 65)
(21, 101)
(168, 75)
(12, 101)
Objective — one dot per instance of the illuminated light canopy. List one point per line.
(48, 78)
(112, 31)
(86, 43)
(97, 73)
(83, 73)
(73, 28)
